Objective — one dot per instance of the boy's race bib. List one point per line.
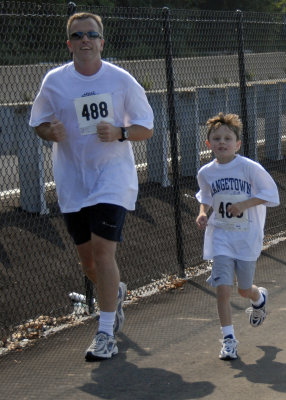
(223, 219)
(91, 110)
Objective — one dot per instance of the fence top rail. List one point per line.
(187, 89)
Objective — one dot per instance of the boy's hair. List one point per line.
(84, 15)
(232, 121)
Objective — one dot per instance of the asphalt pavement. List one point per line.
(168, 349)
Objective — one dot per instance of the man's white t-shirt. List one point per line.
(222, 184)
(86, 170)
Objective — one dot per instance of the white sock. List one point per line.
(227, 330)
(259, 301)
(106, 322)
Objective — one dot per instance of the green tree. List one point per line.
(280, 6)
(227, 5)
(244, 5)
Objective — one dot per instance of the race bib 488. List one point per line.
(91, 110)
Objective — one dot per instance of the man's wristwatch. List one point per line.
(124, 133)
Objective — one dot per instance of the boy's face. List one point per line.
(223, 142)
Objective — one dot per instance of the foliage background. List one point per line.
(31, 38)
(226, 5)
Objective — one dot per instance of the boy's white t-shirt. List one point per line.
(220, 184)
(86, 170)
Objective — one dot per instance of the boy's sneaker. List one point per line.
(228, 349)
(258, 314)
(102, 347)
(119, 317)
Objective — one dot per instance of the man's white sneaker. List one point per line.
(258, 314)
(102, 347)
(228, 349)
(119, 316)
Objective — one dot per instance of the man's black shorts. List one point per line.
(104, 220)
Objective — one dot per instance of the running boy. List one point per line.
(238, 191)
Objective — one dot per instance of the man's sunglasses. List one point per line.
(89, 34)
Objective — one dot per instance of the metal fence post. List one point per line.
(89, 294)
(242, 81)
(71, 8)
(173, 137)
(88, 283)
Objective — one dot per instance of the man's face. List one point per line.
(85, 49)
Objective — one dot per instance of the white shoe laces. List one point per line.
(256, 312)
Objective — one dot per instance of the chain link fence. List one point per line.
(192, 64)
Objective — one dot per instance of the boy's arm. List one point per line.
(202, 218)
(237, 208)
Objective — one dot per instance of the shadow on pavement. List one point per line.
(265, 370)
(140, 383)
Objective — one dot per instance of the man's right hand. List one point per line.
(54, 131)
(58, 131)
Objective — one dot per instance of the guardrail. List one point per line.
(192, 105)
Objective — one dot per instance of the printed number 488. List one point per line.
(94, 110)
(223, 210)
